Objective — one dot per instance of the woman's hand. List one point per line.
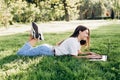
(94, 56)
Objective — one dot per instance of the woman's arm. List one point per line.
(80, 57)
(89, 56)
(87, 53)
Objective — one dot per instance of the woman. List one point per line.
(70, 46)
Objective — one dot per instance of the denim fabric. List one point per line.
(28, 50)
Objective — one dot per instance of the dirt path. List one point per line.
(56, 26)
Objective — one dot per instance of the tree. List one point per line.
(117, 8)
(112, 14)
(66, 10)
(5, 15)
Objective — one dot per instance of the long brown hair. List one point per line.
(76, 33)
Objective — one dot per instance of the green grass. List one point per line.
(104, 40)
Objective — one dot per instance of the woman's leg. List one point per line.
(29, 50)
(27, 46)
(32, 40)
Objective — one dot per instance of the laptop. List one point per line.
(104, 58)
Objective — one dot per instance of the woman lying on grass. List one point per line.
(70, 46)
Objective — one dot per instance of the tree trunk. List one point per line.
(112, 14)
(66, 10)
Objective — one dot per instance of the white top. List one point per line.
(69, 46)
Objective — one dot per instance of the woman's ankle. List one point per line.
(33, 42)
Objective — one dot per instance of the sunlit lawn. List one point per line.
(104, 40)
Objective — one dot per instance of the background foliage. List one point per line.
(51, 10)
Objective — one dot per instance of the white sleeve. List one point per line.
(73, 49)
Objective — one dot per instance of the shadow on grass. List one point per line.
(8, 59)
(11, 58)
(51, 68)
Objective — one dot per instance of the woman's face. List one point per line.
(83, 35)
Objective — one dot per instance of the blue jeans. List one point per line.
(28, 50)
